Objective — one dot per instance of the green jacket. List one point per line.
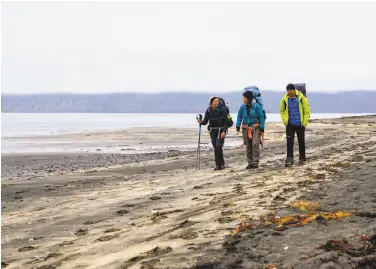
(304, 109)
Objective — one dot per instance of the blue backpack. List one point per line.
(257, 97)
(256, 94)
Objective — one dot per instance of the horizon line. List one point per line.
(177, 92)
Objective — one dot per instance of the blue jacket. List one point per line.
(294, 114)
(256, 116)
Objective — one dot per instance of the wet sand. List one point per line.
(162, 213)
(92, 151)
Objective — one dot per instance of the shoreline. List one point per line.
(98, 150)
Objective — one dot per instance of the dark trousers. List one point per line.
(218, 147)
(290, 134)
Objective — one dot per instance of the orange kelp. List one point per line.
(301, 220)
(280, 223)
(306, 206)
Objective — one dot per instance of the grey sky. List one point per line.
(168, 46)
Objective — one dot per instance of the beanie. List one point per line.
(290, 86)
(248, 95)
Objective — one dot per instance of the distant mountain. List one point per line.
(356, 101)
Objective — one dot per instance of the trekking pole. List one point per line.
(198, 117)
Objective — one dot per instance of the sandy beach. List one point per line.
(155, 210)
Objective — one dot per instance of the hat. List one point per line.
(248, 95)
(290, 86)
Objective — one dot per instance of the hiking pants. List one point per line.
(290, 134)
(253, 147)
(218, 147)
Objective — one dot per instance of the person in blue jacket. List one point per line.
(252, 117)
(257, 96)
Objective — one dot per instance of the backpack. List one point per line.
(257, 97)
(224, 107)
(302, 88)
(256, 94)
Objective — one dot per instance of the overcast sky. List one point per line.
(186, 46)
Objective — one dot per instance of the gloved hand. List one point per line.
(261, 130)
(238, 129)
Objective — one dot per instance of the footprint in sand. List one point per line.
(54, 255)
(111, 230)
(92, 222)
(223, 220)
(157, 251)
(229, 204)
(279, 198)
(81, 232)
(106, 238)
(122, 212)
(149, 264)
(26, 248)
(290, 189)
(226, 213)
(66, 243)
(158, 216)
(317, 176)
(187, 235)
(128, 205)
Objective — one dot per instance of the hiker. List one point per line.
(218, 125)
(251, 116)
(295, 113)
(257, 96)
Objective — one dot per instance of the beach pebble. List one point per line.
(285, 248)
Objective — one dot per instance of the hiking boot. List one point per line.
(302, 161)
(289, 162)
(222, 165)
(255, 165)
(218, 168)
(249, 166)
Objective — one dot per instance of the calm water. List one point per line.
(23, 124)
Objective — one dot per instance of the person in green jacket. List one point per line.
(295, 112)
